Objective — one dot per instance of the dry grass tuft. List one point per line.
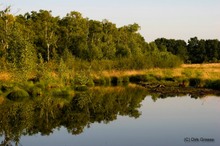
(4, 76)
(203, 71)
(1, 99)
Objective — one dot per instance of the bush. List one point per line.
(143, 78)
(213, 84)
(195, 82)
(116, 81)
(18, 95)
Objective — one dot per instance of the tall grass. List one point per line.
(18, 95)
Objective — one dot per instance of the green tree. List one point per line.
(73, 34)
(45, 27)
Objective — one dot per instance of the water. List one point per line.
(180, 121)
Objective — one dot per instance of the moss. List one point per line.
(18, 95)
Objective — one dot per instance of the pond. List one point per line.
(112, 117)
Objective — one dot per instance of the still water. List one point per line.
(170, 121)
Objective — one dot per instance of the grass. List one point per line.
(18, 94)
(195, 75)
(1, 99)
(203, 71)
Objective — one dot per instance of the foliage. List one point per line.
(195, 82)
(18, 95)
(213, 84)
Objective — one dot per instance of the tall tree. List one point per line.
(45, 27)
(74, 34)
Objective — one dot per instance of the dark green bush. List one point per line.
(143, 78)
(18, 95)
(213, 84)
(195, 82)
(116, 81)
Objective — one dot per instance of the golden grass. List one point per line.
(4, 76)
(1, 99)
(204, 71)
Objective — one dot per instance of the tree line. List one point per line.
(195, 51)
(26, 40)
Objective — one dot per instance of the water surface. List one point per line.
(150, 121)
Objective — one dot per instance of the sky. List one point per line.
(171, 19)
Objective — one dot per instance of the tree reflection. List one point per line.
(45, 114)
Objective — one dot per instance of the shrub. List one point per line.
(195, 82)
(213, 84)
(116, 81)
(18, 95)
(143, 78)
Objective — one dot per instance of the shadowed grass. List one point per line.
(18, 95)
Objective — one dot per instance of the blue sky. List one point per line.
(177, 19)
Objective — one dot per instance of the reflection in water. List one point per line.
(47, 113)
(162, 117)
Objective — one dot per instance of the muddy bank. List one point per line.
(167, 89)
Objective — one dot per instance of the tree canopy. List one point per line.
(24, 38)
